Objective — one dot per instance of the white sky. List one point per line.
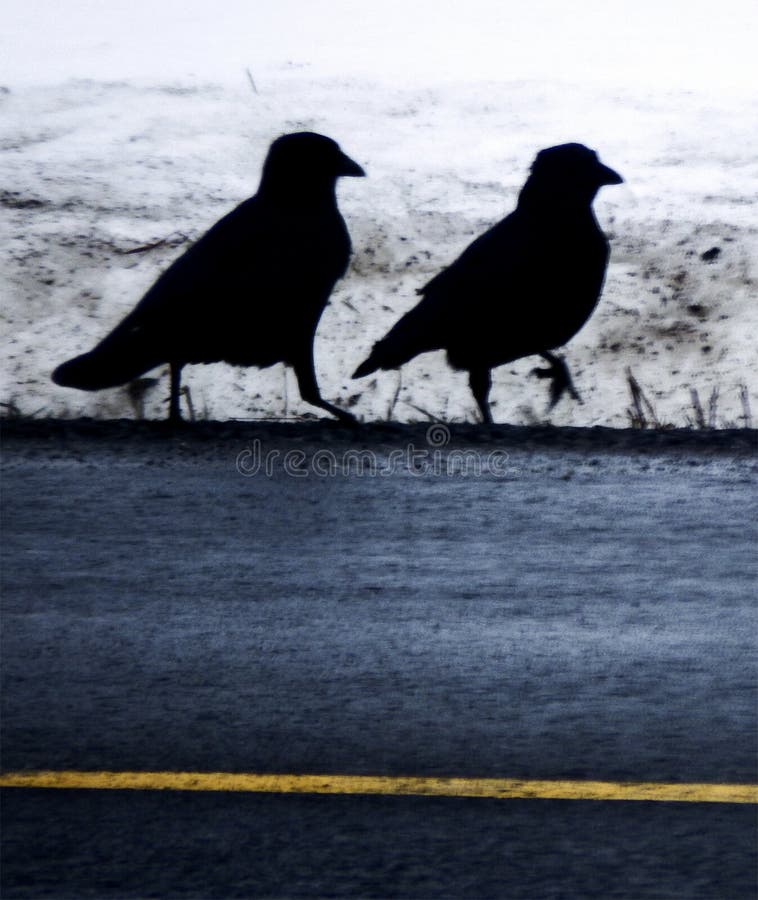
(660, 44)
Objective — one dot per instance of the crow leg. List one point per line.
(306, 380)
(480, 382)
(174, 411)
(561, 378)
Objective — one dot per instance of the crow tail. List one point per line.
(105, 366)
(410, 336)
(383, 356)
(367, 366)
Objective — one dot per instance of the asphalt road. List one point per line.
(562, 611)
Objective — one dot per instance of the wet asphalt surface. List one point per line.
(579, 605)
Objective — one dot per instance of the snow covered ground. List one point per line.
(129, 126)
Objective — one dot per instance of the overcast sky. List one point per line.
(656, 43)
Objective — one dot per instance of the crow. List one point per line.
(250, 292)
(524, 287)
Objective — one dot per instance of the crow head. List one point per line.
(297, 162)
(570, 171)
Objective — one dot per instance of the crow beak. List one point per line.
(606, 175)
(347, 166)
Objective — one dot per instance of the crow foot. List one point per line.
(561, 378)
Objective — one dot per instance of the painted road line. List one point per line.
(493, 788)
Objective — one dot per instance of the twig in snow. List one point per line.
(393, 402)
(174, 241)
(697, 406)
(712, 404)
(424, 412)
(190, 406)
(642, 409)
(747, 417)
(144, 248)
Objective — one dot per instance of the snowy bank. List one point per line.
(106, 180)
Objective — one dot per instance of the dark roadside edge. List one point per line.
(92, 434)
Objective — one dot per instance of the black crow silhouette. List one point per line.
(524, 287)
(250, 292)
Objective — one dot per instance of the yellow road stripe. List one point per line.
(496, 788)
